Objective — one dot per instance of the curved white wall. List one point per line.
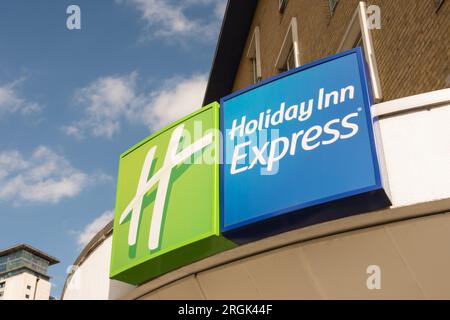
(91, 280)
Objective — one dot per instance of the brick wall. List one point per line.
(412, 47)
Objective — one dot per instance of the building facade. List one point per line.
(23, 273)
(409, 42)
(403, 247)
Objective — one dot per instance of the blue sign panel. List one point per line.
(298, 149)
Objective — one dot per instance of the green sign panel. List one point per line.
(167, 205)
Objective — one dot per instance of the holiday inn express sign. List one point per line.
(300, 150)
(297, 149)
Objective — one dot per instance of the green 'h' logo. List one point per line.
(167, 204)
(162, 177)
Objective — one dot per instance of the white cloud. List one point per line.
(169, 104)
(11, 100)
(109, 100)
(220, 8)
(90, 230)
(44, 177)
(105, 101)
(168, 18)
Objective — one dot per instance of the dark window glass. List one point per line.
(332, 5)
(282, 5)
(358, 42)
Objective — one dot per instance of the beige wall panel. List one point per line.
(151, 296)
(340, 265)
(413, 256)
(228, 282)
(425, 246)
(184, 289)
(282, 274)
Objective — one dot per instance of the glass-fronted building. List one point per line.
(24, 273)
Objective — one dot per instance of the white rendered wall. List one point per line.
(16, 288)
(43, 290)
(417, 149)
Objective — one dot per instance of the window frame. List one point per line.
(289, 58)
(254, 54)
(438, 4)
(282, 5)
(358, 28)
(332, 6)
(290, 44)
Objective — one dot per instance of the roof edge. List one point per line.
(230, 45)
(23, 246)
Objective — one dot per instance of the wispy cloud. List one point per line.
(170, 18)
(90, 230)
(12, 100)
(108, 101)
(44, 177)
(170, 103)
(105, 101)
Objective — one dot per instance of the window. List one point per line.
(254, 54)
(2, 285)
(282, 5)
(289, 56)
(27, 296)
(358, 34)
(28, 287)
(1, 294)
(358, 41)
(290, 62)
(332, 5)
(438, 4)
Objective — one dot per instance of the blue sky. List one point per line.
(71, 101)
